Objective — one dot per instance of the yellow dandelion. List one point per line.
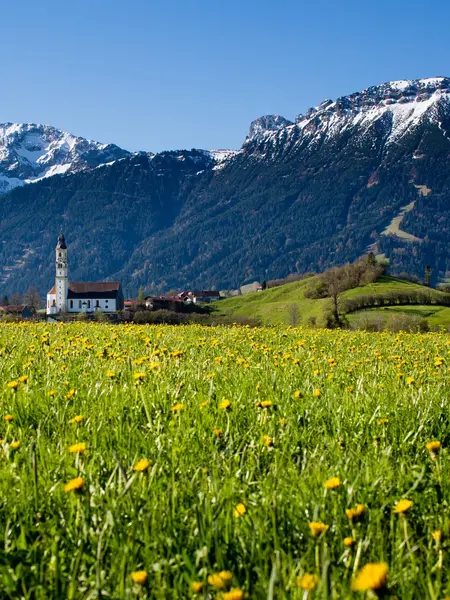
(15, 445)
(52, 393)
(218, 432)
(233, 594)
(77, 419)
(139, 376)
(265, 404)
(355, 513)
(372, 576)
(111, 374)
(225, 405)
(332, 484)
(433, 446)
(13, 385)
(268, 441)
(79, 448)
(70, 394)
(23, 378)
(282, 421)
(402, 506)
(239, 510)
(8, 418)
(197, 586)
(409, 380)
(139, 577)
(307, 582)
(383, 421)
(220, 580)
(316, 393)
(141, 465)
(437, 535)
(178, 407)
(297, 394)
(317, 528)
(349, 542)
(74, 485)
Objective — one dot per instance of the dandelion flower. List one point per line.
(349, 542)
(297, 394)
(233, 594)
(79, 448)
(74, 485)
(8, 418)
(433, 446)
(317, 528)
(177, 407)
(383, 421)
(316, 393)
(218, 432)
(13, 385)
(265, 404)
(70, 394)
(23, 378)
(307, 582)
(142, 465)
(239, 510)
(437, 535)
(139, 376)
(220, 580)
(268, 441)
(14, 445)
(355, 513)
(111, 374)
(225, 405)
(139, 577)
(402, 506)
(52, 393)
(77, 419)
(332, 483)
(197, 586)
(372, 576)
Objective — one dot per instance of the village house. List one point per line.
(200, 296)
(80, 296)
(19, 311)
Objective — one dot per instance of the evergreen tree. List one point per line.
(427, 278)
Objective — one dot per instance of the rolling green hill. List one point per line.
(274, 306)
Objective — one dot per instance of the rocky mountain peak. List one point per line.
(29, 152)
(267, 123)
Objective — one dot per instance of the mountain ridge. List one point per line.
(295, 197)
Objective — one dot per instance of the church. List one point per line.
(80, 296)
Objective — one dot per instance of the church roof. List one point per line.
(61, 242)
(88, 289)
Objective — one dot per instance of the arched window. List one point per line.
(89, 304)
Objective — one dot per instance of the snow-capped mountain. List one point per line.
(396, 106)
(30, 152)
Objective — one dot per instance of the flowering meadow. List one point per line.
(229, 463)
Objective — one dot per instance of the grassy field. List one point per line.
(437, 316)
(272, 306)
(178, 462)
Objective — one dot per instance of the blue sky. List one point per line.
(169, 74)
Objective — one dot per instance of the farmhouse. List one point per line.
(80, 296)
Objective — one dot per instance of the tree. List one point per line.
(293, 314)
(32, 298)
(264, 285)
(5, 301)
(16, 299)
(140, 300)
(371, 260)
(427, 278)
(335, 282)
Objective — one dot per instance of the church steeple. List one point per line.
(62, 274)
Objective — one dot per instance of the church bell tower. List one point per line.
(62, 274)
